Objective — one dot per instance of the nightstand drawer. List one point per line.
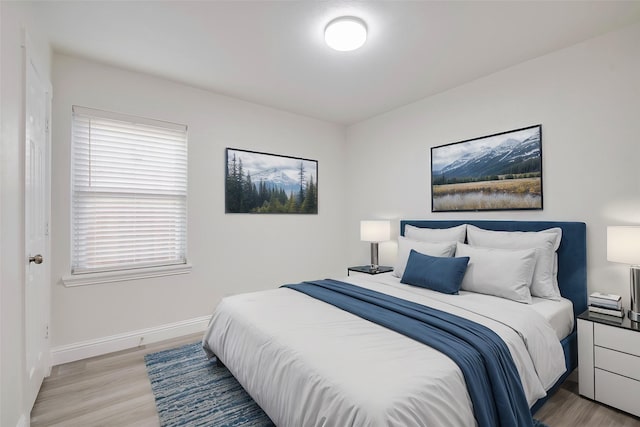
(617, 391)
(616, 338)
(617, 362)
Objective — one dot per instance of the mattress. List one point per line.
(559, 314)
(308, 363)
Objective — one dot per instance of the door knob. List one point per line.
(37, 259)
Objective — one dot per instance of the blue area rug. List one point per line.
(193, 391)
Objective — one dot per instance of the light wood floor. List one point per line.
(114, 390)
(111, 390)
(567, 409)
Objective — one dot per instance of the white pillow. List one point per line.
(435, 235)
(443, 249)
(500, 272)
(546, 243)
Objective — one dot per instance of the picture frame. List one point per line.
(502, 171)
(266, 183)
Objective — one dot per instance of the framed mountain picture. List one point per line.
(270, 183)
(495, 172)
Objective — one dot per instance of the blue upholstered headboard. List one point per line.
(572, 254)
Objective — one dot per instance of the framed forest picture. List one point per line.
(264, 183)
(502, 171)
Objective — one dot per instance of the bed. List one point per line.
(309, 363)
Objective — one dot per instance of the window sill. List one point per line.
(124, 275)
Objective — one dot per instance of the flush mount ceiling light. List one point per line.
(345, 33)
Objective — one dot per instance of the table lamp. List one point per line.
(375, 232)
(623, 246)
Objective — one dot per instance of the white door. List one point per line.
(37, 215)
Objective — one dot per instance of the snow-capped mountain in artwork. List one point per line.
(510, 157)
(276, 178)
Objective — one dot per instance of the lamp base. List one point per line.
(634, 312)
(374, 256)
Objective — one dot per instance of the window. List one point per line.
(129, 193)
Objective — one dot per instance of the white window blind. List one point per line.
(129, 192)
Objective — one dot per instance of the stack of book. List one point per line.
(606, 304)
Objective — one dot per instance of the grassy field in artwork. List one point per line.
(523, 193)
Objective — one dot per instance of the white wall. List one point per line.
(15, 17)
(587, 98)
(230, 253)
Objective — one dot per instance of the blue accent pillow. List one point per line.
(435, 273)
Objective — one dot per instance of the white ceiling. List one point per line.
(273, 52)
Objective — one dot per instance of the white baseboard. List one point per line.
(97, 347)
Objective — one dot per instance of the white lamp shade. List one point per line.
(623, 245)
(375, 231)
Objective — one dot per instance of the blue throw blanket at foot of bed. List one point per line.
(484, 359)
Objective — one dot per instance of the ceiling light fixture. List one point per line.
(345, 33)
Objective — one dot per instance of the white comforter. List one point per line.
(307, 363)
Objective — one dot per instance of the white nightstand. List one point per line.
(609, 361)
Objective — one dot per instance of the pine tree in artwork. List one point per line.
(292, 207)
(301, 193)
(249, 194)
(232, 190)
(263, 194)
(239, 187)
(311, 198)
